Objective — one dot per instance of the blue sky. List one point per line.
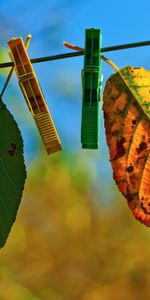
(52, 22)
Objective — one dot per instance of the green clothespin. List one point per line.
(91, 82)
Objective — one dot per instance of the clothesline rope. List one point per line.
(79, 53)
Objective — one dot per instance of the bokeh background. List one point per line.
(74, 236)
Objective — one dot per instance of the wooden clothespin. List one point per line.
(33, 95)
(91, 81)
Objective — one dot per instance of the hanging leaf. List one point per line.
(127, 123)
(12, 171)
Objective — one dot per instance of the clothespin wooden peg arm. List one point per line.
(91, 85)
(91, 80)
(27, 42)
(33, 95)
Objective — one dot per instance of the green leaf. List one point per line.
(12, 171)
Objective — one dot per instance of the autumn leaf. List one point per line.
(126, 105)
(12, 171)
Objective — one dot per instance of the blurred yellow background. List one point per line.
(66, 244)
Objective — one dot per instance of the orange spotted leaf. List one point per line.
(126, 105)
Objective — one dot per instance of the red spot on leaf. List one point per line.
(120, 148)
(12, 149)
(142, 146)
(130, 169)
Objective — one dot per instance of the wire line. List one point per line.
(79, 53)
